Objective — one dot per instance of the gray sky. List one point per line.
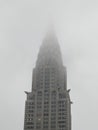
(23, 24)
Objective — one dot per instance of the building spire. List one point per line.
(51, 31)
(50, 49)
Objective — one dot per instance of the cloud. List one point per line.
(22, 27)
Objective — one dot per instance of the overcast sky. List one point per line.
(23, 24)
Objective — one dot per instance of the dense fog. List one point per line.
(23, 25)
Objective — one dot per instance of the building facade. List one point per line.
(48, 105)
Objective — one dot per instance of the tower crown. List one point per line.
(49, 51)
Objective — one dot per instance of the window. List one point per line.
(46, 114)
(46, 102)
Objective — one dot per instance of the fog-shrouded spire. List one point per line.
(48, 105)
(50, 50)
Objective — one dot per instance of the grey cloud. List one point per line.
(22, 28)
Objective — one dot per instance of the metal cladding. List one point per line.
(49, 52)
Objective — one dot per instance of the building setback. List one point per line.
(48, 105)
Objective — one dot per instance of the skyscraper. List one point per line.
(48, 105)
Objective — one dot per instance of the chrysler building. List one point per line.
(48, 105)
